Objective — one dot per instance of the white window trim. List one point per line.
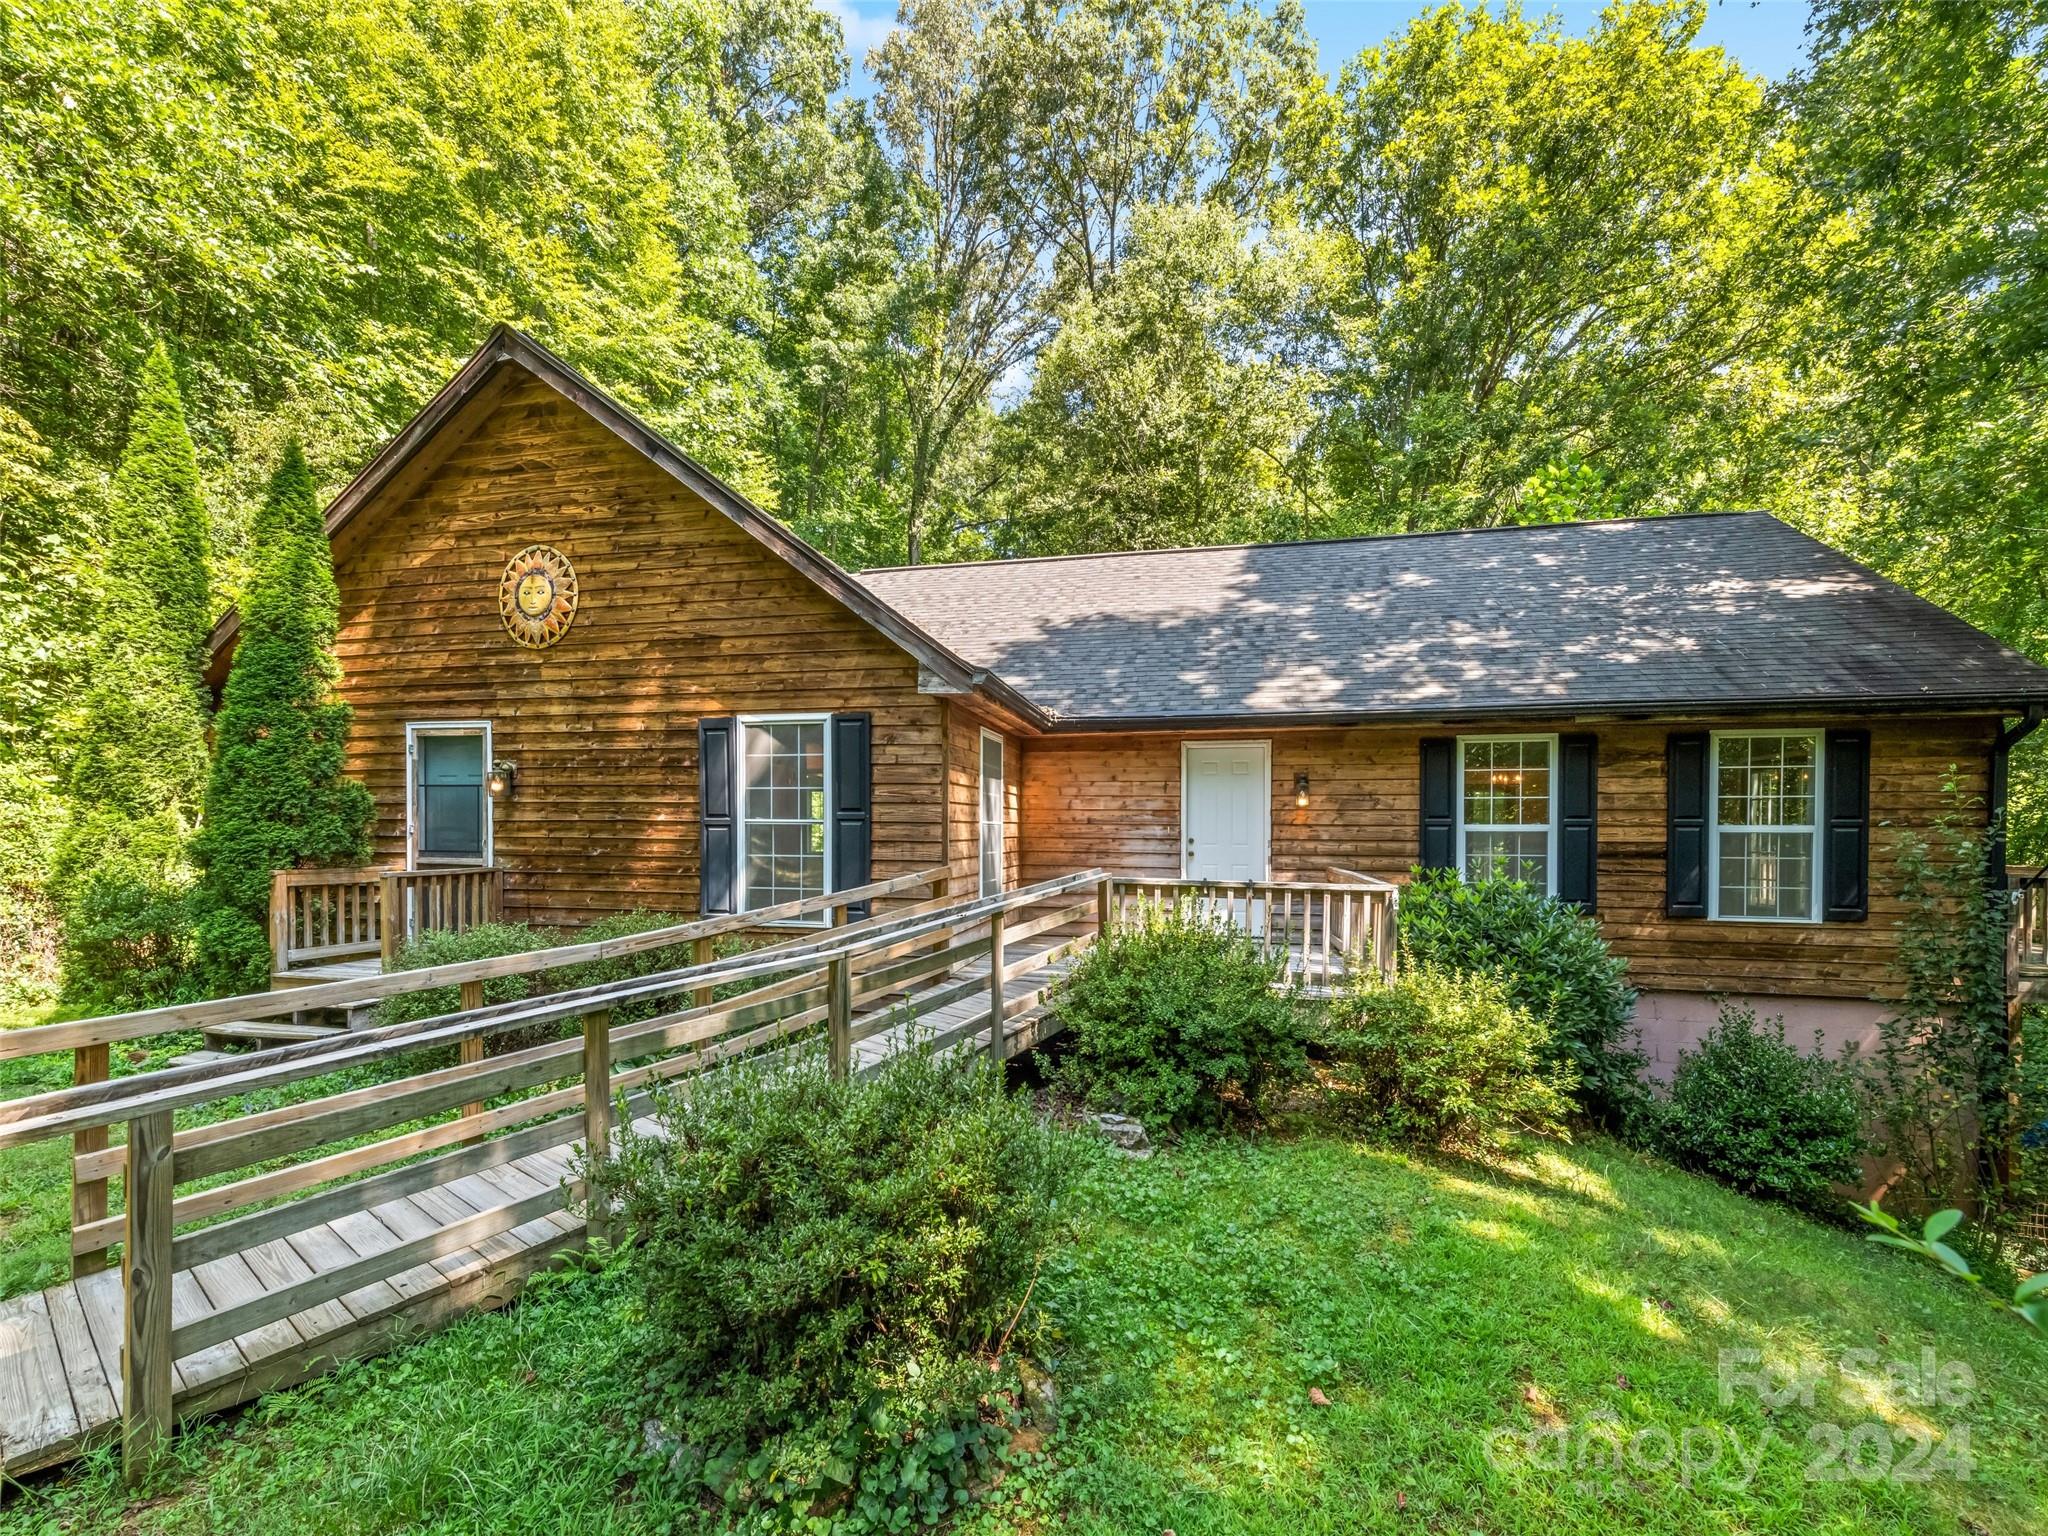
(414, 729)
(741, 819)
(1820, 780)
(1550, 824)
(981, 811)
(1265, 747)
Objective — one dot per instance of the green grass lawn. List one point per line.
(1547, 1312)
(35, 1188)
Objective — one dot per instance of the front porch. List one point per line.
(338, 924)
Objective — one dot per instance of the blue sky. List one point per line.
(1767, 37)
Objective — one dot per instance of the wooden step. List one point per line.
(267, 1032)
(202, 1058)
(315, 975)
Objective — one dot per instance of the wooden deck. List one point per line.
(468, 1245)
(60, 1349)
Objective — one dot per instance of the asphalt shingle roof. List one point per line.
(1640, 615)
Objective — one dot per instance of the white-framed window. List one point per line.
(992, 813)
(1763, 848)
(1507, 809)
(785, 837)
(447, 801)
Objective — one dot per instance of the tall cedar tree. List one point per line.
(120, 871)
(277, 796)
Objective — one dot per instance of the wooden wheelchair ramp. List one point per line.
(365, 1217)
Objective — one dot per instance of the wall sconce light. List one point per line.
(1301, 790)
(504, 778)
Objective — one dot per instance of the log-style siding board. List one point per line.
(963, 801)
(681, 614)
(1114, 801)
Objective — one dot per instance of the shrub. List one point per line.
(489, 940)
(1176, 1015)
(1761, 1116)
(647, 962)
(1948, 1090)
(276, 796)
(486, 941)
(1444, 1058)
(126, 940)
(1555, 964)
(31, 814)
(819, 1260)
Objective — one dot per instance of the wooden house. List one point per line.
(581, 662)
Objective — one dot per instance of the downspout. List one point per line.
(2001, 1162)
(2009, 736)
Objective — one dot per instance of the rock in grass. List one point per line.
(1122, 1132)
(1039, 1399)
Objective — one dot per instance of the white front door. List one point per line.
(1225, 810)
(993, 819)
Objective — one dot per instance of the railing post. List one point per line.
(470, 1050)
(146, 1295)
(89, 1064)
(996, 1043)
(390, 918)
(597, 1113)
(280, 920)
(839, 1014)
(1105, 902)
(702, 952)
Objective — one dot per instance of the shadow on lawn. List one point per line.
(1560, 1296)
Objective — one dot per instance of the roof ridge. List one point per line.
(1349, 538)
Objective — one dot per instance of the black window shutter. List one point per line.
(1845, 855)
(853, 799)
(1439, 803)
(1685, 838)
(1578, 820)
(718, 857)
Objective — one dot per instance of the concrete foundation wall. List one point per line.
(1675, 1021)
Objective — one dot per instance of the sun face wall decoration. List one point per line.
(537, 596)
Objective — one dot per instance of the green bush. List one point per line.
(486, 941)
(1555, 964)
(819, 1263)
(647, 962)
(1443, 1058)
(276, 796)
(1174, 1018)
(126, 940)
(489, 940)
(1763, 1117)
(31, 816)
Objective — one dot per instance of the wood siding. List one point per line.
(963, 801)
(681, 615)
(1115, 801)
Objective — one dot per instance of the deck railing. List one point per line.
(417, 901)
(318, 915)
(2027, 943)
(288, 1169)
(323, 915)
(90, 1041)
(1324, 929)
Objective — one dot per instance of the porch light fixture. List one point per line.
(504, 778)
(1301, 790)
